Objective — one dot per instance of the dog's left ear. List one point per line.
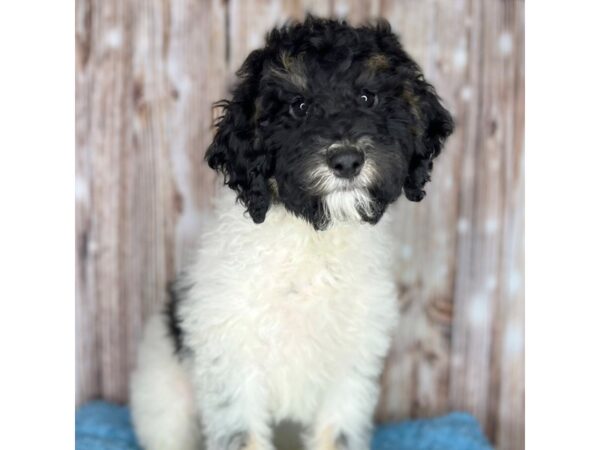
(237, 150)
(432, 122)
(434, 125)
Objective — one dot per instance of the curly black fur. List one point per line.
(327, 64)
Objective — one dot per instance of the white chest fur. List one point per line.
(296, 308)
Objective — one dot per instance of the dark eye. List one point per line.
(299, 108)
(367, 98)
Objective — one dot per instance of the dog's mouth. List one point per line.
(324, 181)
(347, 185)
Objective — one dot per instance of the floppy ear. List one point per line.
(237, 150)
(433, 125)
(432, 122)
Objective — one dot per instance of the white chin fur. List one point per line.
(344, 205)
(343, 199)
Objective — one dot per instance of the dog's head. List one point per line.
(331, 121)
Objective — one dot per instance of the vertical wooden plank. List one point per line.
(509, 368)
(477, 255)
(509, 409)
(87, 377)
(108, 144)
(489, 182)
(415, 382)
(148, 199)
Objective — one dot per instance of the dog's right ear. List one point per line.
(237, 151)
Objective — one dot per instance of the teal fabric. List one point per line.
(104, 426)
(454, 431)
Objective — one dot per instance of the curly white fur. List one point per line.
(283, 322)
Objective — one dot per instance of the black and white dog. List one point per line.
(288, 309)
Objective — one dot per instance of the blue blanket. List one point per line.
(104, 426)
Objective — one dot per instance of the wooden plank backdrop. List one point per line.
(147, 72)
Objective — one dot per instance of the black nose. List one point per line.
(346, 162)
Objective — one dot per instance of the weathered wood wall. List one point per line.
(147, 72)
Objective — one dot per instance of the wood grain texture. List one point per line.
(147, 72)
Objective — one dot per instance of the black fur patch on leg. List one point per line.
(175, 295)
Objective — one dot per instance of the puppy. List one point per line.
(286, 313)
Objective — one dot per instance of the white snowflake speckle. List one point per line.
(515, 282)
(92, 247)
(407, 251)
(341, 9)
(505, 43)
(448, 183)
(459, 58)
(491, 282)
(466, 93)
(254, 40)
(513, 340)
(113, 38)
(478, 311)
(82, 193)
(491, 226)
(463, 225)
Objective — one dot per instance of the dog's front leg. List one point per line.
(233, 411)
(344, 421)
